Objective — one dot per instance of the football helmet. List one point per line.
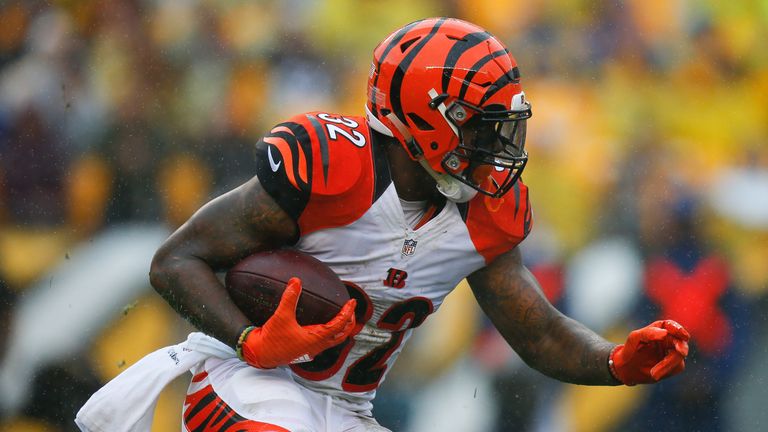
(450, 93)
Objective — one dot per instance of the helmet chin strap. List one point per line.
(451, 188)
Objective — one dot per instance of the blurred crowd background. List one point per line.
(648, 173)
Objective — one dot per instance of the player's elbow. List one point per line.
(163, 270)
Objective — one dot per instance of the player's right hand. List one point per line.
(283, 341)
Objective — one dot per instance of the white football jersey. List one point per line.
(326, 173)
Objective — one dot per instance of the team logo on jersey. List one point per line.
(409, 247)
(395, 278)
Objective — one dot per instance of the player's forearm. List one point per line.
(571, 352)
(191, 287)
(546, 339)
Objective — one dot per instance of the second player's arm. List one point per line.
(221, 233)
(546, 339)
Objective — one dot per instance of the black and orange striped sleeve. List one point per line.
(283, 166)
(497, 225)
(322, 169)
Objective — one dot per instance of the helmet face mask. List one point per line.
(489, 140)
(449, 92)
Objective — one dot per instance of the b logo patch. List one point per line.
(395, 278)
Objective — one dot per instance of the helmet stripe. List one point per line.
(509, 77)
(393, 43)
(476, 67)
(402, 67)
(457, 50)
(396, 40)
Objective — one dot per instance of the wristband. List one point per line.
(612, 365)
(241, 340)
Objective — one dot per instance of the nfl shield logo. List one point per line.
(409, 247)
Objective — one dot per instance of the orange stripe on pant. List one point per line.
(207, 412)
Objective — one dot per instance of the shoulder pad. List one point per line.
(497, 225)
(320, 168)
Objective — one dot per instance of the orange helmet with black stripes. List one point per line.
(450, 93)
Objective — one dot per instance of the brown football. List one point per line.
(256, 285)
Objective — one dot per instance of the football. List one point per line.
(256, 285)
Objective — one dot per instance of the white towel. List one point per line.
(127, 403)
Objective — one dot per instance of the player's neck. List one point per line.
(411, 181)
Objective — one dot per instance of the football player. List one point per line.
(402, 203)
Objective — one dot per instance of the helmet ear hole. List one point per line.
(420, 122)
(433, 145)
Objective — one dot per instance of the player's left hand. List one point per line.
(283, 341)
(651, 353)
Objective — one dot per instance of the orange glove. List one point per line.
(650, 354)
(282, 340)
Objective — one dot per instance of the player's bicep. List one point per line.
(512, 299)
(232, 226)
